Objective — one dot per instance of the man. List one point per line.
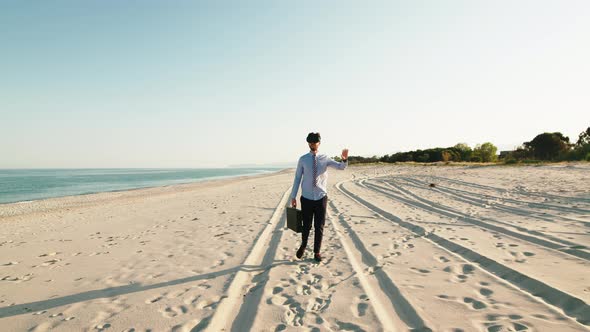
(312, 169)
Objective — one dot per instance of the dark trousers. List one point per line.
(316, 211)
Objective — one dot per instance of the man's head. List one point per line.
(313, 139)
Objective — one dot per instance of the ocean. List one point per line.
(18, 185)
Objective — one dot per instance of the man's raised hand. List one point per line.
(345, 154)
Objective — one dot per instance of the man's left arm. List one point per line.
(343, 163)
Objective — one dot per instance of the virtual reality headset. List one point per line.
(313, 138)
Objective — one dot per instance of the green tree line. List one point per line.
(544, 147)
(553, 147)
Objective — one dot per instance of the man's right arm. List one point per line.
(296, 182)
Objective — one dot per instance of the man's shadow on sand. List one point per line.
(261, 279)
(25, 308)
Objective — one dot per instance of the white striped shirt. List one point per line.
(305, 172)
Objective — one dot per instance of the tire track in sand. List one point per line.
(238, 310)
(229, 307)
(385, 295)
(570, 305)
(427, 205)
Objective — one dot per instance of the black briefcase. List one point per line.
(294, 219)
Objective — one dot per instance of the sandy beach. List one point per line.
(406, 248)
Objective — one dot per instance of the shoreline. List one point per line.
(213, 178)
(85, 199)
(18, 208)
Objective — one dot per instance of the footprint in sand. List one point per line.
(362, 309)
(280, 327)
(336, 273)
(393, 254)
(317, 304)
(278, 300)
(475, 304)
(300, 271)
(408, 246)
(153, 300)
(517, 257)
(6, 242)
(486, 292)
(493, 317)
(49, 254)
(217, 263)
(178, 293)
(360, 306)
(509, 326)
(468, 268)
(209, 304)
(204, 286)
(443, 259)
(26, 277)
(463, 275)
(192, 300)
(10, 263)
(422, 271)
(171, 312)
(102, 327)
(294, 315)
(303, 290)
(315, 278)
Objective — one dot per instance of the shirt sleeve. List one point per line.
(298, 175)
(338, 165)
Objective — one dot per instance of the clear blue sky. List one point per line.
(199, 84)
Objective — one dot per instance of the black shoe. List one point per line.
(317, 257)
(300, 252)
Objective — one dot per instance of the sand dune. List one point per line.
(406, 248)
